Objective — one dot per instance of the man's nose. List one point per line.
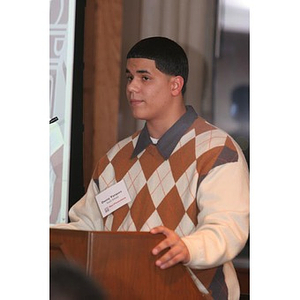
(133, 86)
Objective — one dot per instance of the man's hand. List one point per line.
(178, 251)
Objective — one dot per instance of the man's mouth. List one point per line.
(134, 102)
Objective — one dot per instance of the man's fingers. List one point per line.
(161, 246)
(177, 250)
(161, 229)
(172, 257)
(168, 242)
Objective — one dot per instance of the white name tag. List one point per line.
(113, 198)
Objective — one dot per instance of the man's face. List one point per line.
(148, 90)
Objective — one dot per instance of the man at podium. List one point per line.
(180, 175)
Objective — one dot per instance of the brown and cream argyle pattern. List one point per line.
(163, 192)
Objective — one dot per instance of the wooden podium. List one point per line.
(123, 264)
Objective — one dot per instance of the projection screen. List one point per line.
(62, 33)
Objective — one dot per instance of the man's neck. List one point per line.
(157, 128)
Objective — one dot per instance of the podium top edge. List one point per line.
(113, 233)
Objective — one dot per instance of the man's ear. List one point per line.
(176, 86)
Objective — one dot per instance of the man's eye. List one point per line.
(145, 78)
(129, 78)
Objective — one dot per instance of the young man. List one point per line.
(186, 178)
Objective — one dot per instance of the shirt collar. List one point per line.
(171, 137)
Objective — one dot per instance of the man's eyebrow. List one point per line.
(139, 71)
(143, 71)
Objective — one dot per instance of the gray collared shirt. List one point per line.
(171, 137)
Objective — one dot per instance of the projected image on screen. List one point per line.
(62, 23)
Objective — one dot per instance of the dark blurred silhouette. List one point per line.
(69, 282)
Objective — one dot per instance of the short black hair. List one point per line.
(169, 57)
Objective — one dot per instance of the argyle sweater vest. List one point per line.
(164, 192)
